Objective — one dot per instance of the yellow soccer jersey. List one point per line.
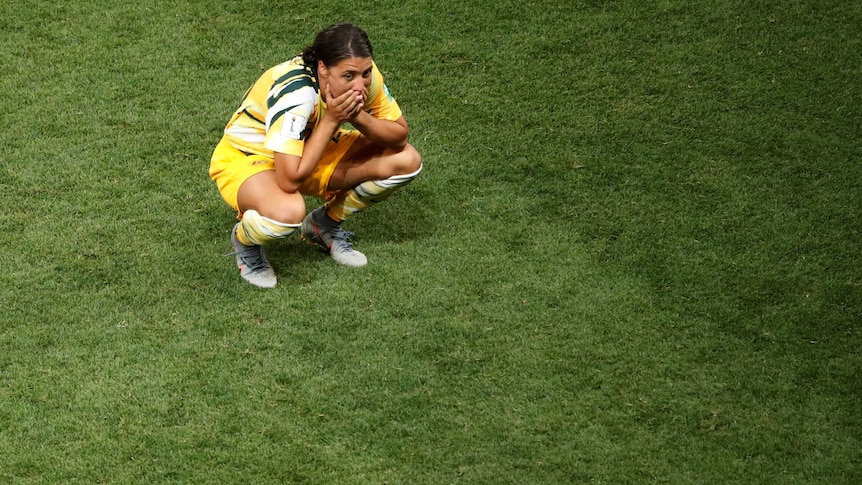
(281, 109)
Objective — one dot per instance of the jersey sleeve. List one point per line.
(291, 105)
(381, 105)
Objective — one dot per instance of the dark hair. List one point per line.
(336, 43)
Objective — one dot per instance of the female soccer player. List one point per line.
(321, 124)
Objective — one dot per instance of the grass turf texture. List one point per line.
(633, 255)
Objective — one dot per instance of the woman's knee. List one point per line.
(289, 209)
(261, 193)
(408, 160)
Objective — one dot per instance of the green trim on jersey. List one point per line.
(290, 86)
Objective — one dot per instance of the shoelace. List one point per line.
(343, 236)
(255, 261)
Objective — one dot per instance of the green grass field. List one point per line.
(634, 254)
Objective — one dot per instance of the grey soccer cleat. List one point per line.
(252, 263)
(319, 229)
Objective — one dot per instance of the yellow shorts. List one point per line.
(230, 167)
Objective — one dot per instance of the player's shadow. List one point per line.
(408, 215)
(295, 260)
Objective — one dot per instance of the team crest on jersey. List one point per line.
(293, 126)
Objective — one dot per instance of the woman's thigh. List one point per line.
(368, 161)
(262, 193)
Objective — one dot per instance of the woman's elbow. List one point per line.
(287, 183)
(401, 141)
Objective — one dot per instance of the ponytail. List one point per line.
(309, 57)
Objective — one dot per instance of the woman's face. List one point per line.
(353, 73)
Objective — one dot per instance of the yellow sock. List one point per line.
(351, 201)
(256, 229)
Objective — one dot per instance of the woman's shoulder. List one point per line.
(292, 79)
(376, 80)
(293, 68)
